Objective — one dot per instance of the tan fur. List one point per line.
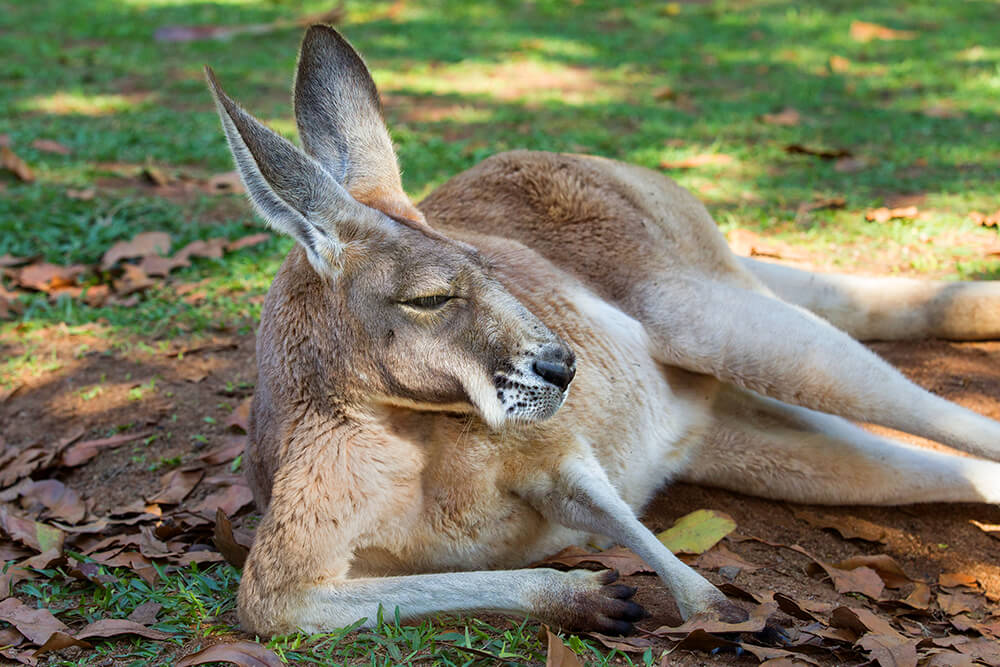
(391, 442)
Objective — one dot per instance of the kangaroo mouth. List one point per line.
(527, 399)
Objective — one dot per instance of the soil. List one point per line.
(185, 401)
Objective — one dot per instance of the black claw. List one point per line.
(633, 612)
(620, 591)
(622, 628)
(609, 577)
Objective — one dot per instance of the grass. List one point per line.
(637, 81)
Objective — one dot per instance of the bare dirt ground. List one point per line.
(185, 401)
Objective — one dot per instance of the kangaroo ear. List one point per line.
(339, 117)
(291, 190)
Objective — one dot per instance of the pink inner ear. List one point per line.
(393, 204)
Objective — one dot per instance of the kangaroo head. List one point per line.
(421, 321)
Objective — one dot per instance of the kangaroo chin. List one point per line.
(447, 393)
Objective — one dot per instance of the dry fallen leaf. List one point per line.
(154, 176)
(58, 641)
(615, 558)
(885, 566)
(241, 653)
(239, 419)
(45, 277)
(225, 541)
(230, 500)
(211, 248)
(33, 534)
(176, 485)
(35, 624)
(990, 220)
(189, 33)
(113, 627)
(559, 655)
(61, 501)
(624, 644)
(956, 580)
(862, 31)
(884, 214)
(702, 160)
(756, 622)
(235, 444)
(849, 527)
(787, 117)
(839, 64)
(862, 580)
(141, 245)
(720, 556)
(49, 146)
(12, 163)
(247, 241)
(82, 452)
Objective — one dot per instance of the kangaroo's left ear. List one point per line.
(339, 116)
(292, 191)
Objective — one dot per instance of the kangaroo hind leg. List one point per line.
(759, 342)
(767, 448)
(888, 308)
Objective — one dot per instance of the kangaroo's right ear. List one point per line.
(291, 190)
(339, 116)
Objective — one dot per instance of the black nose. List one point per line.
(558, 373)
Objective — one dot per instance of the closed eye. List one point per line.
(432, 302)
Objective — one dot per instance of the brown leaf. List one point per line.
(234, 552)
(83, 194)
(49, 146)
(175, 486)
(61, 501)
(862, 580)
(211, 248)
(199, 557)
(849, 527)
(145, 614)
(141, 245)
(247, 241)
(756, 622)
(45, 277)
(887, 568)
(991, 220)
(35, 624)
(91, 572)
(957, 579)
(957, 603)
(822, 153)
(7, 260)
(154, 265)
(861, 621)
(240, 417)
(615, 558)
(188, 33)
(821, 203)
(57, 641)
(230, 500)
(839, 64)
(699, 640)
(787, 117)
(884, 214)
(887, 651)
(241, 653)
(82, 452)
(235, 444)
(12, 163)
(920, 597)
(27, 461)
(559, 655)
(774, 657)
(33, 534)
(624, 644)
(702, 160)
(804, 610)
(862, 31)
(721, 556)
(133, 280)
(113, 627)
(228, 182)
